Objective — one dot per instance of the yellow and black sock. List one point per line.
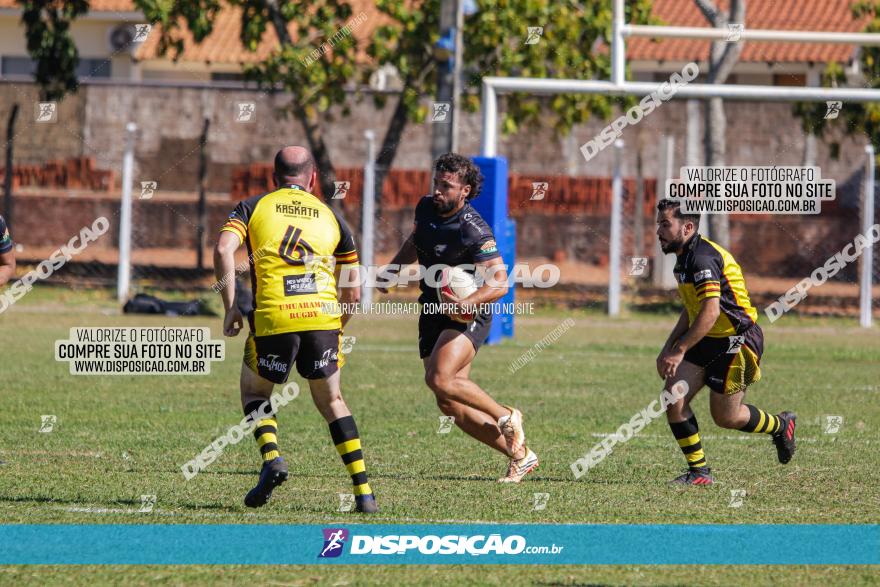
(760, 422)
(266, 432)
(348, 444)
(687, 434)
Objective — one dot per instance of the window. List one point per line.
(27, 66)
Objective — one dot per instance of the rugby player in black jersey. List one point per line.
(7, 253)
(448, 231)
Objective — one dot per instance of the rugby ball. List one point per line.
(459, 283)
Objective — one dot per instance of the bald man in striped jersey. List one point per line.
(297, 248)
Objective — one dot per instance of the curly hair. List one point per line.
(466, 170)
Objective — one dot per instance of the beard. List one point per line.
(444, 207)
(671, 246)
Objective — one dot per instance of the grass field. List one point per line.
(119, 437)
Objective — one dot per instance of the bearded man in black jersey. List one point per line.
(449, 231)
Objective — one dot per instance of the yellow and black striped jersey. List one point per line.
(705, 270)
(294, 241)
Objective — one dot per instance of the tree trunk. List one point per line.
(723, 57)
(385, 159)
(715, 137)
(309, 120)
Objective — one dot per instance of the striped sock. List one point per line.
(687, 434)
(345, 436)
(266, 432)
(760, 422)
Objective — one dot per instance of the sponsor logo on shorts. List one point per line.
(271, 363)
(295, 285)
(326, 357)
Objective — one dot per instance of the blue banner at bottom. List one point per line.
(441, 544)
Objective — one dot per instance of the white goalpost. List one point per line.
(492, 87)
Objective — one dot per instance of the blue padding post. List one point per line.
(492, 206)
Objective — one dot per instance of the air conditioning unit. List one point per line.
(120, 39)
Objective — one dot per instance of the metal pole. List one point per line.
(614, 244)
(492, 86)
(7, 178)
(456, 71)
(441, 132)
(663, 263)
(691, 90)
(490, 120)
(202, 208)
(124, 273)
(681, 32)
(368, 212)
(618, 45)
(868, 252)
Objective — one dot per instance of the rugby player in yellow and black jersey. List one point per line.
(297, 247)
(716, 342)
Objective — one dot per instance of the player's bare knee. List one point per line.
(439, 381)
(679, 411)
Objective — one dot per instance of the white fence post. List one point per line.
(615, 236)
(123, 279)
(868, 252)
(368, 211)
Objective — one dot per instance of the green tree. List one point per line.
(47, 26)
(855, 118)
(304, 59)
(494, 44)
(571, 46)
(300, 62)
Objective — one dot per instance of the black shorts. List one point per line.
(432, 325)
(731, 363)
(315, 352)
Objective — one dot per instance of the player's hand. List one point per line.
(232, 322)
(459, 316)
(668, 362)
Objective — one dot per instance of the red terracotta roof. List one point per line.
(223, 46)
(816, 15)
(95, 5)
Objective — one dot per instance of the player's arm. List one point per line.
(707, 271)
(677, 332)
(495, 285)
(7, 253)
(7, 266)
(224, 272)
(405, 255)
(347, 270)
(349, 289)
(232, 235)
(710, 309)
(488, 262)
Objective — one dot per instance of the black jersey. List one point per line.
(6, 244)
(461, 239)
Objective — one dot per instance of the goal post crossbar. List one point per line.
(492, 87)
